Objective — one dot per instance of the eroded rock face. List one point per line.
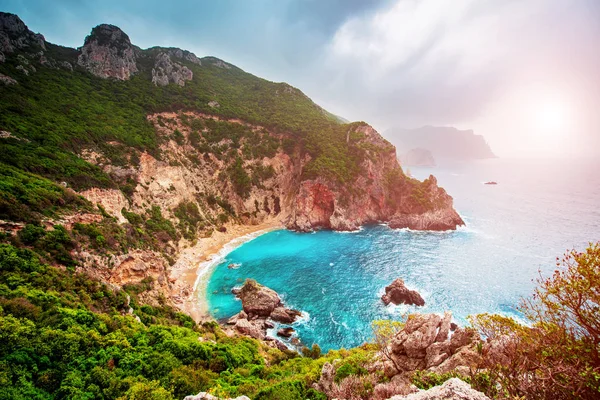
(397, 293)
(452, 389)
(424, 343)
(380, 192)
(166, 71)
(108, 53)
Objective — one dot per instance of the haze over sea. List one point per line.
(539, 209)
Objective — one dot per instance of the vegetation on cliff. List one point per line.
(65, 335)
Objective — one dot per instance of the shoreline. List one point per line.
(191, 272)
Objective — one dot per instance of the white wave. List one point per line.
(304, 318)
(359, 229)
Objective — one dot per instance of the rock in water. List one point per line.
(452, 389)
(285, 315)
(108, 53)
(397, 293)
(285, 332)
(258, 299)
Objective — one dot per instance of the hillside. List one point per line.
(442, 142)
(118, 167)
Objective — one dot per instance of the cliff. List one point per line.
(442, 142)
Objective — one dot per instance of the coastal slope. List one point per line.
(142, 154)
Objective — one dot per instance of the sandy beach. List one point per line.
(190, 274)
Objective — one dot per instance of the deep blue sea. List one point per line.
(539, 209)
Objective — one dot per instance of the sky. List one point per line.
(523, 73)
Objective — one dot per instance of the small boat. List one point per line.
(491, 183)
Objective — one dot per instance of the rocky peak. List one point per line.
(166, 71)
(108, 35)
(108, 53)
(15, 35)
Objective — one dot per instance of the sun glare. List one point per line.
(552, 117)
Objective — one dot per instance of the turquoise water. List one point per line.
(538, 210)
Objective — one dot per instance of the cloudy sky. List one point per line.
(524, 73)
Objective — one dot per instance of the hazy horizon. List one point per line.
(522, 74)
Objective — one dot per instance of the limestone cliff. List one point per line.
(380, 193)
(108, 53)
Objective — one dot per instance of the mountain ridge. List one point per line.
(442, 141)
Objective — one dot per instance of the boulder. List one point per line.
(233, 320)
(424, 343)
(257, 299)
(285, 315)
(397, 293)
(436, 354)
(462, 337)
(418, 334)
(452, 389)
(253, 329)
(462, 362)
(286, 332)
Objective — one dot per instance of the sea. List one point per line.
(514, 232)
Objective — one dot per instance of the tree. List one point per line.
(384, 331)
(557, 355)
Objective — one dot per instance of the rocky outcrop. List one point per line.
(108, 53)
(112, 200)
(7, 80)
(432, 210)
(257, 299)
(397, 293)
(425, 343)
(166, 71)
(260, 306)
(14, 35)
(380, 192)
(452, 389)
(184, 55)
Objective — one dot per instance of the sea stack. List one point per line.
(398, 293)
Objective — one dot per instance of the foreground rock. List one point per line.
(260, 305)
(397, 293)
(257, 299)
(452, 389)
(425, 343)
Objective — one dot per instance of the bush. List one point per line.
(558, 355)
